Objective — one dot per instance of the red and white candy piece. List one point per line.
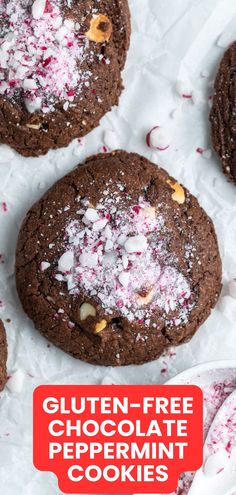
(157, 139)
(184, 89)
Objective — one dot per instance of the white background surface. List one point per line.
(171, 40)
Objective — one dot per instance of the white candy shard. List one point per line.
(66, 262)
(109, 245)
(30, 84)
(109, 259)
(15, 382)
(3, 59)
(88, 259)
(184, 89)
(100, 224)
(38, 8)
(33, 105)
(91, 215)
(110, 139)
(136, 244)
(124, 279)
(44, 266)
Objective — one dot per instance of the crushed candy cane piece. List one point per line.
(157, 139)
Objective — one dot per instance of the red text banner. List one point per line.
(118, 439)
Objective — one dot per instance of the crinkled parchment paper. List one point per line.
(172, 40)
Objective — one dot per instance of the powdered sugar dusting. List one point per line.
(120, 256)
(41, 52)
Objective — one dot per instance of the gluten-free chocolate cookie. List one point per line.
(117, 262)
(223, 113)
(3, 357)
(60, 69)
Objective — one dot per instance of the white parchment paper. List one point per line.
(172, 40)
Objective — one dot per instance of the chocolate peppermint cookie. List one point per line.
(60, 69)
(117, 262)
(223, 113)
(3, 357)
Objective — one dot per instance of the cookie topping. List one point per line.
(42, 51)
(119, 255)
(158, 139)
(179, 194)
(100, 29)
(87, 310)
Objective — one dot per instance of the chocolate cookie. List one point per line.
(117, 262)
(223, 113)
(3, 357)
(60, 69)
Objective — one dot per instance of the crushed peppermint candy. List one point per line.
(41, 52)
(119, 255)
(44, 266)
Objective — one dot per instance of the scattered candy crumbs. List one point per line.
(41, 53)
(200, 150)
(120, 256)
(4, 208)
(103, 149)
(221, 442)
(206, 153)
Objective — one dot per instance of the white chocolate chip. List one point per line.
(87, 310)
(145, 299)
